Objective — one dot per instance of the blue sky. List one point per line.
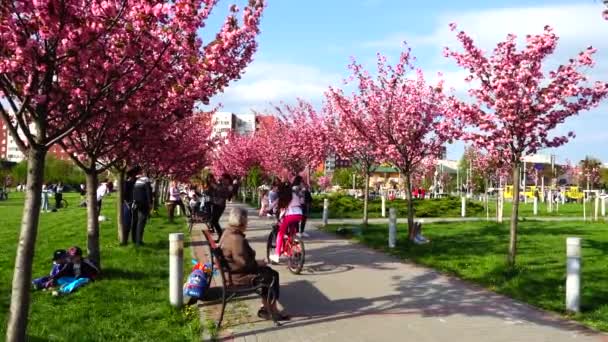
(305, 46)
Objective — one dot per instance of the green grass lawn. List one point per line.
(476, 251)
(130, 302)
(527, 209)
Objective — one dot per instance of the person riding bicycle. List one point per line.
(290, 202)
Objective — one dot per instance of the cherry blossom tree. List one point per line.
(63, 63)
(346, 141)
(516, 105)
(295, 142)
(402, 117)
(237, 155)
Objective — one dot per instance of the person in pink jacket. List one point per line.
(290, 202)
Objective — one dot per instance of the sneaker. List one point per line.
(419, 241)
(274, 258)
(299, 235)
(423, 238)
(305, 234)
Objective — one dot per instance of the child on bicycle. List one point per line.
(290, 202)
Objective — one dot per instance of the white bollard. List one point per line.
(176, 268)
(603, 206)
(596, 212)
(573, 269)
(392, 227)
(584, 211)
(463, 206)
(178, 211)
(383, 206)
(325, 211)
(550, 206)
(535, 206)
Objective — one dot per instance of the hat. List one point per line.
(59, 254)
(75, 251)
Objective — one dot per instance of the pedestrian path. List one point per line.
(348, 292)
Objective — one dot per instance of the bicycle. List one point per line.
(63, 204)
(293, 247)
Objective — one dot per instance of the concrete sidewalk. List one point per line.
(348, 292)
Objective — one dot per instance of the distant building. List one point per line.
(242, 124)
(11, 152)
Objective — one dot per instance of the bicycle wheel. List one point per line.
(64, 203)
(296, 257)
(271, 246)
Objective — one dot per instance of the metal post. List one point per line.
(354, 180)
(604, 206)
(501, 201)
(573, 269)
(542, 188)
(383, 205)
(176, 268)
(535, 206)
(550, 201)
(392, 227)
(584, 210)
(463, 206)
(325, 211)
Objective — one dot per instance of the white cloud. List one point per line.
(578, 25)
(265, 84)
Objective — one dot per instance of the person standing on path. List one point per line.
(306, 209)
(219, 192)
(142, 204)
(175, 199)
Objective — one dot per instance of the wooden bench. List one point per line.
(230, 291)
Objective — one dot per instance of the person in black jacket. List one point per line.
(127, 192)
(142, 204)
(306, 209)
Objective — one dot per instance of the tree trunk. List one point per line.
(120, 198)
(92, 218)
(410, 205)
(22, 275)
(365, 199)
(155, 194)
(514, 217)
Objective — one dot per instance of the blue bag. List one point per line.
(195, 286)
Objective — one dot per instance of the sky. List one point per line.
(306, 46)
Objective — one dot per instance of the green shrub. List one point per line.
(342, 206)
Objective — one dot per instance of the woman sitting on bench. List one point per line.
(245, 270)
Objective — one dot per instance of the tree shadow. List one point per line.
(427, 295)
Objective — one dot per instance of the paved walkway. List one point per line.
(348, 292)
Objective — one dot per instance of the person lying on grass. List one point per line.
(246, 271)
(78, 272)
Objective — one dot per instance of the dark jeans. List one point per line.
(99, 207)
(216, 213)
(266, 275)
(172, 209)
(58, 198)
(139, 217)
(306, 211)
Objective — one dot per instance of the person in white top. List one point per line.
(102, 190)
(175, 199)
(290, 202)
